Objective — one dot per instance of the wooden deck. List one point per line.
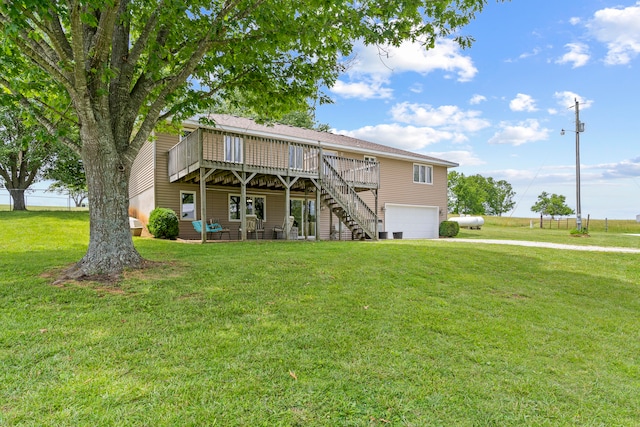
(228, 159)
(214, 158)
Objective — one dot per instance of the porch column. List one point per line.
(287, 208)
(375, 228)
(317, 213)
(243, 207)
(330, 223)
(305, 222)
(203, 205)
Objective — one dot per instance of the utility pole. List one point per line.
(579, 128)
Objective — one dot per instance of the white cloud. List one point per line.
(523, 102)
(521, 133)
(448, 117)
(412, 138)
(534, 52)
(623, 169)
(463, 158)
(619, 29)
(574, 21)
(477, 99)
(372, 67)
(578, 55)
(362, 90)
(567, 99)
(416, 88)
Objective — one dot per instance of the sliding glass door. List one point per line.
(304, 214)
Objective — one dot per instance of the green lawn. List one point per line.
(400, 333)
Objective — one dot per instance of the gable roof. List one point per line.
(309, 136)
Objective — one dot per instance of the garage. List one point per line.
(415, 222)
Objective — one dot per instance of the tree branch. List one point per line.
(49, 125)
(40, 53)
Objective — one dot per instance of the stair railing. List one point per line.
(348, 199)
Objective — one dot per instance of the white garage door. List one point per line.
(415, 222)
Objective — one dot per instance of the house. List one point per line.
(334, 186)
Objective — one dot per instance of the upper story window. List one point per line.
(232, 149)
(422, 174)
(370, 159)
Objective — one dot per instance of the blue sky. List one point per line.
(497, 108)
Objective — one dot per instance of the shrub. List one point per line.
(449, 229)
(580, 233)
(163, 224)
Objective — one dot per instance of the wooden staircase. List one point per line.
(344, 202)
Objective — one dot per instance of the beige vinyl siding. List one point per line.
(167, 194)
(397, 186)
(141, 181)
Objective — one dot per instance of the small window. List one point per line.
(255, 205)
(370, 159)
(422, 174)
(232, 149)
(188, 205)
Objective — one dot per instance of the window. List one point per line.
(255, 205)
(188, 205)
(295, 157)
(370, 159)
(232, 149)
(422, 174)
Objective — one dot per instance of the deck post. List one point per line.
(317, 213)
(375, 228)
(287, 208)
(243, 207)
(203, 204)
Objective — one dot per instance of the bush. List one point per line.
(163, 224)
(449, 229)
(580, 233)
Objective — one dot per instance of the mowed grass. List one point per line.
(401, 333)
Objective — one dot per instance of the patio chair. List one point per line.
(279, 232)
(197, 225)
(259, 227)
(252, 226)
(215, 226)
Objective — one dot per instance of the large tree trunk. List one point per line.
(17, 194)
(111, 248)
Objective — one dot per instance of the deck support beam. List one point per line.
(288, 183)
(204, 174)
(244, 180)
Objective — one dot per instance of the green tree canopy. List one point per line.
(500, 196)
(552, 205)
(25, 152)
(113, 69)
(67, 174)
(477, 195)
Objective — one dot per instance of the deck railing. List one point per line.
(184, 156)
(241, 152)
(359, 173)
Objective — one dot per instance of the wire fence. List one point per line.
(40, 198)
